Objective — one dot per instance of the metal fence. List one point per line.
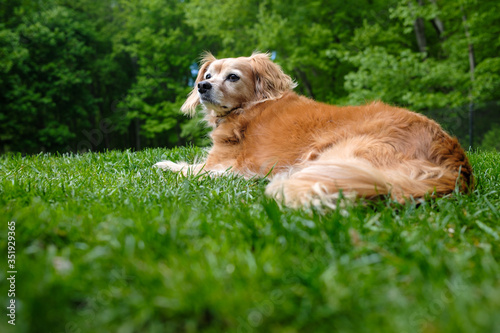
(458, 122)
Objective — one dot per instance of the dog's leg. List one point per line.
(172, 166)
(191, 169)
(186, 169)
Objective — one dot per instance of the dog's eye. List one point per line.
(208, 76)
(233, 77)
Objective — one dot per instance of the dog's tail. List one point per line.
(321, 181)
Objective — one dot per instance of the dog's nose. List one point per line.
(204, 86)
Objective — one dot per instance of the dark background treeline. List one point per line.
(95, 75)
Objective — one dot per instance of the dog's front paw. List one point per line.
(169, 165)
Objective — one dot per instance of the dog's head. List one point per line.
(225, 85)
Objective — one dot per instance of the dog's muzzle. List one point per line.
(205, 91)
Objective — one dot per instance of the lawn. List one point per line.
(104, 242)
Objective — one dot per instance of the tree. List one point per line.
(433, 70)
(91, 75)
(45, 87)
(56, 80)
(161, 45)
(299, 35)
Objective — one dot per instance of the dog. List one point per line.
(315, 153)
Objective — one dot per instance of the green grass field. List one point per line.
(104, 242)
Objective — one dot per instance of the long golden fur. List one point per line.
(312, 151)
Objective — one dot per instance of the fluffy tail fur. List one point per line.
(340, 170)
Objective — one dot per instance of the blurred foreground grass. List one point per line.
(107, 243)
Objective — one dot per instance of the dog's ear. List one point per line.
(193, 100)
(270, 81)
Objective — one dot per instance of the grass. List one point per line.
(106, 243)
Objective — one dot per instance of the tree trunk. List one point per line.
(437, 23)
(420, 31)
(137, 134)
(472, 66)
(306, 82)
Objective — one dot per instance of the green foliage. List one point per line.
(223, 25)
(406, 78)
(389, 68)
(107, 243)
(298, 33)
(487, 79)
(95, 75)
(49, 83)
(53, 77)
(156, 36)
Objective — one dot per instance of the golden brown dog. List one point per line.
(312, 151)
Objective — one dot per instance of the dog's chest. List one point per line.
(229, 134)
